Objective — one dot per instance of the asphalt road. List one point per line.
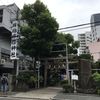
(50, 92)
(69, 96)
(60, 97)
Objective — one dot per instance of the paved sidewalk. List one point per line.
(52, 93)
(44, 93)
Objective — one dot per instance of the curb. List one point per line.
(24, 97)
(30, 98)
(58, 99)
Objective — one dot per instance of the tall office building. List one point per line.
(95, 27)
(84, 39)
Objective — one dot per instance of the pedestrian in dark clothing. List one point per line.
(4, 83)
(62, 76)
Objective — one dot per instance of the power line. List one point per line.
(79, 25)
(75, 29)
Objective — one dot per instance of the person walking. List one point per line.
(4, 83)
(62, 76)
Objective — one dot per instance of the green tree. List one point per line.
(96, 78)
(40, 31)
(85, 56)
(96, 65)
(65, 39)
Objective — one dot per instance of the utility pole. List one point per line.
(67, 65)
(38, 66)
(14, 54)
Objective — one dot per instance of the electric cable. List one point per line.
(75, 29)
(92, 23)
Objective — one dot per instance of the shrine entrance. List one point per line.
(52, 69)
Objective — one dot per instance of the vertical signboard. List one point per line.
(14, 54)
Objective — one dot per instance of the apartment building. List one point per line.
(94, 49)
(95, 27)
(85, 39)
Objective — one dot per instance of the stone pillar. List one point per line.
(12, 82)
(84, 73)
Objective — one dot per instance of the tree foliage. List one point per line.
(96, 65)
(85, 56)
(96, 77)
(65, 39)
(40, 32)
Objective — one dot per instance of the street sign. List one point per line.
(74, 77)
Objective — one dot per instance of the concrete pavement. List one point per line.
(44, 93)
(52, 93)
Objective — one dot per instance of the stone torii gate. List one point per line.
(55, 62)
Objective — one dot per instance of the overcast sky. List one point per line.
(67, 12)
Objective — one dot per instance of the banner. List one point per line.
(14, 54)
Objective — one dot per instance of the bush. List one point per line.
(41, 79)
(63, 82)
(99, 91)
(53, 81)
(96, 78)
(33, 80)
(23, 76)
(67, 87)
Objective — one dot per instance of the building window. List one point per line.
(1, 12)
(0, 19)
(82, 34)
(82, 40)
(82, 37)
(1, 15)
(6, 57)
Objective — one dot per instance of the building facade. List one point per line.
(94, 49)
(95, 27)
(85, 39)
(9, 17)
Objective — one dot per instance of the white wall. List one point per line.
(4, 42)
(94, 49)
(13, 8)
(6, 18)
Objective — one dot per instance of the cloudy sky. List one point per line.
(67, 12)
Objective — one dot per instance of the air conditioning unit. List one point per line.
(2, 62)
